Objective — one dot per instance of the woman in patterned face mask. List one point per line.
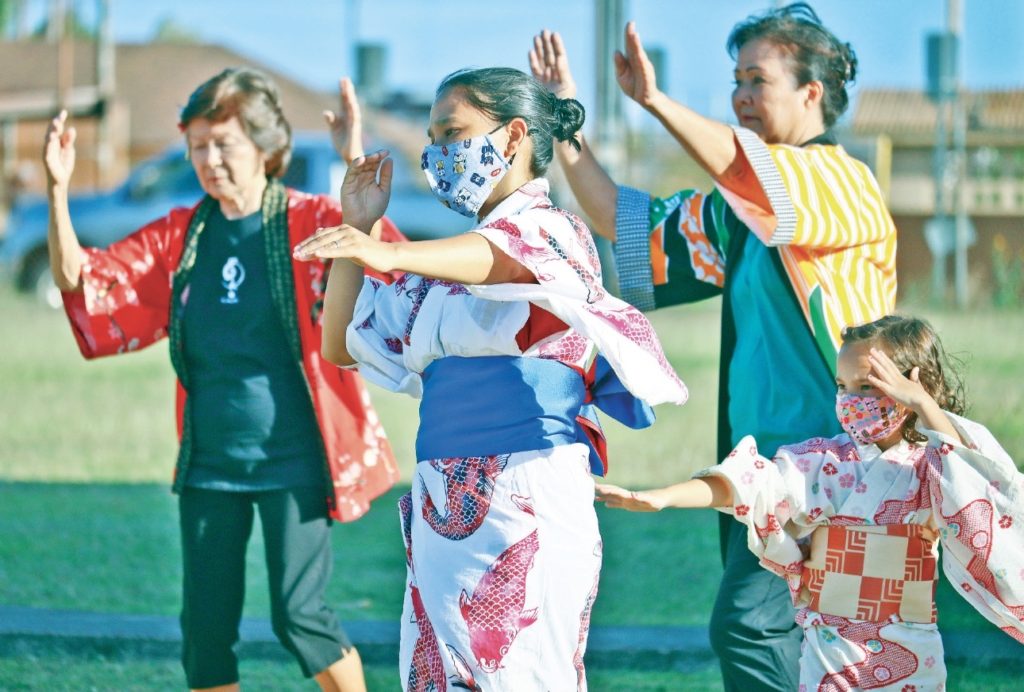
(265, 425)
(852, 522)
(504, 332)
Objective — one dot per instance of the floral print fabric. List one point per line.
(969, 492)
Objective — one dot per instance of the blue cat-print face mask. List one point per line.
(463, 174)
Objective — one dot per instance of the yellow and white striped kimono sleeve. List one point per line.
(824, 211)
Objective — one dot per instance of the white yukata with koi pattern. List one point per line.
(970, 494)
(503, 549)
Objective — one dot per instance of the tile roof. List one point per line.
(903, 112)
(154, 80)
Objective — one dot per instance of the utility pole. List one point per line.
(350, 35)
(57, 32)
(609, 141)
(105, 89)
(937, 229)
(962, 238)
(608, 116)
(949, 230)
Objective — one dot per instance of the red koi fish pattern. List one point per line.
(469, 484)
(462, 678)
(635, 327)
(520, 250)
(426, 673)
(577, 658)
(589, 280)
(405, 519)
(494, 614)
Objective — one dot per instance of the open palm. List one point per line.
(346, 123)
(364, 194)
(634, 70)
(549, 63)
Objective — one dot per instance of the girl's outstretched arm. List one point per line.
(710, 491)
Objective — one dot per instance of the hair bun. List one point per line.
(850, 58)
(569, 116)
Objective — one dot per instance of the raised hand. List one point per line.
(634, 501)
(909, 392)
(634, 70)
(906, 391)
(549, 63)
(59, 151)
(346, 124)
(363, 197)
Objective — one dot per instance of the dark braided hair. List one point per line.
(504, 93)
(815, 52)
(912, 343)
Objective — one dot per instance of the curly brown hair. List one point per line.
(912, 343)
(254, 98)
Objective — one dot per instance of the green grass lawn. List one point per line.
(88, 523)
(94, 672)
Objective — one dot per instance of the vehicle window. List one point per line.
(170, 175)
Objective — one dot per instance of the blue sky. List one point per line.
(310, 40)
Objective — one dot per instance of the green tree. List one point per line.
(168, 30)
(74, 25)
(12, 18)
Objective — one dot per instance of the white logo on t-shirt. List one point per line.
(233, 274)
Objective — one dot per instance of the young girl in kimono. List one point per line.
(507, 335)
(852, 522)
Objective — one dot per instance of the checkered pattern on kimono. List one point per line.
(873, 572)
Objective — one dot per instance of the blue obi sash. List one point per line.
(491, 405)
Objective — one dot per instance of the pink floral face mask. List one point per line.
(868, 419)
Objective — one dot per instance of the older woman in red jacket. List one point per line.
(265, 423)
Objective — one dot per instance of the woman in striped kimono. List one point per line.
(508, 336)
(796, 239)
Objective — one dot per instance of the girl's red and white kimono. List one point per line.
(502, 539)
(131, 289)
(854, 532)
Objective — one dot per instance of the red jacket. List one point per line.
(126, 305)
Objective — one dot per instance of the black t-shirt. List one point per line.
(253, 423)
